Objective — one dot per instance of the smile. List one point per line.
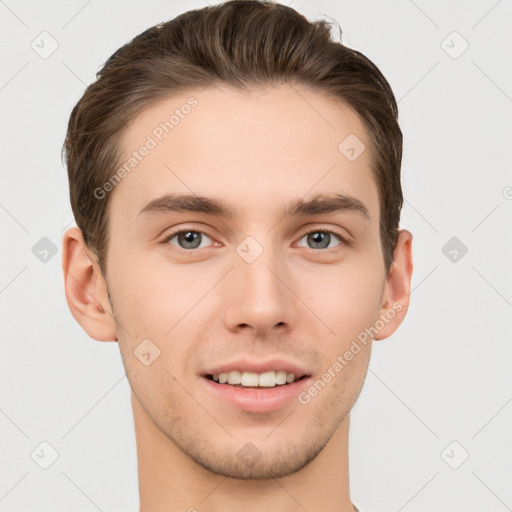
(268, 379)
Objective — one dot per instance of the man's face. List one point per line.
(251, 289)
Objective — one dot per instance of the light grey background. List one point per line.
(438, 390)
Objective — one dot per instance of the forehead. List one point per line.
(253, 147)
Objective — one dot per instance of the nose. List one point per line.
(259, 296)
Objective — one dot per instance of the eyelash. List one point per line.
(343, 240)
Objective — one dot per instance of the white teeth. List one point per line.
(290, 377)
(267, 379)
(234, 377)
(249, 379)
(280, 377)
(252, 379)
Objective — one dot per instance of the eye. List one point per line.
(321, 239)
(187, 239)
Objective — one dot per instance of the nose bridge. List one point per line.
(260, 299)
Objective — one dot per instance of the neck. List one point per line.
(171, 481)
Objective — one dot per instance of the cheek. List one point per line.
(155, 298)
(346, 299)
(160, 301)
(151, 302)
(148, 296)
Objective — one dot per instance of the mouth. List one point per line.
(256, 386)
(243, 394)
(253, 380)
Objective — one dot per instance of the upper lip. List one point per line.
(250, 365)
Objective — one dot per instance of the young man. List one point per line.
(235, 177)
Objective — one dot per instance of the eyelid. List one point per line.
(170, 235)
(344, 240)
(317, 229)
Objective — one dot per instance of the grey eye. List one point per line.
(189, 239)
(320, 239)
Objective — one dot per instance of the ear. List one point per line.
(86, 288)
(398, 287)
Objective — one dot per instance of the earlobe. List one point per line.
(398, 286)
(85, 288)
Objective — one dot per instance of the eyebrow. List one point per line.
(319, 204)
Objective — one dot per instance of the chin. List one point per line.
(251, 463)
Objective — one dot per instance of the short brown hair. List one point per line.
(240, 43)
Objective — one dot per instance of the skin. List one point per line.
(257, 150)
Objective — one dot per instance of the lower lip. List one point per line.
(258, 400)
